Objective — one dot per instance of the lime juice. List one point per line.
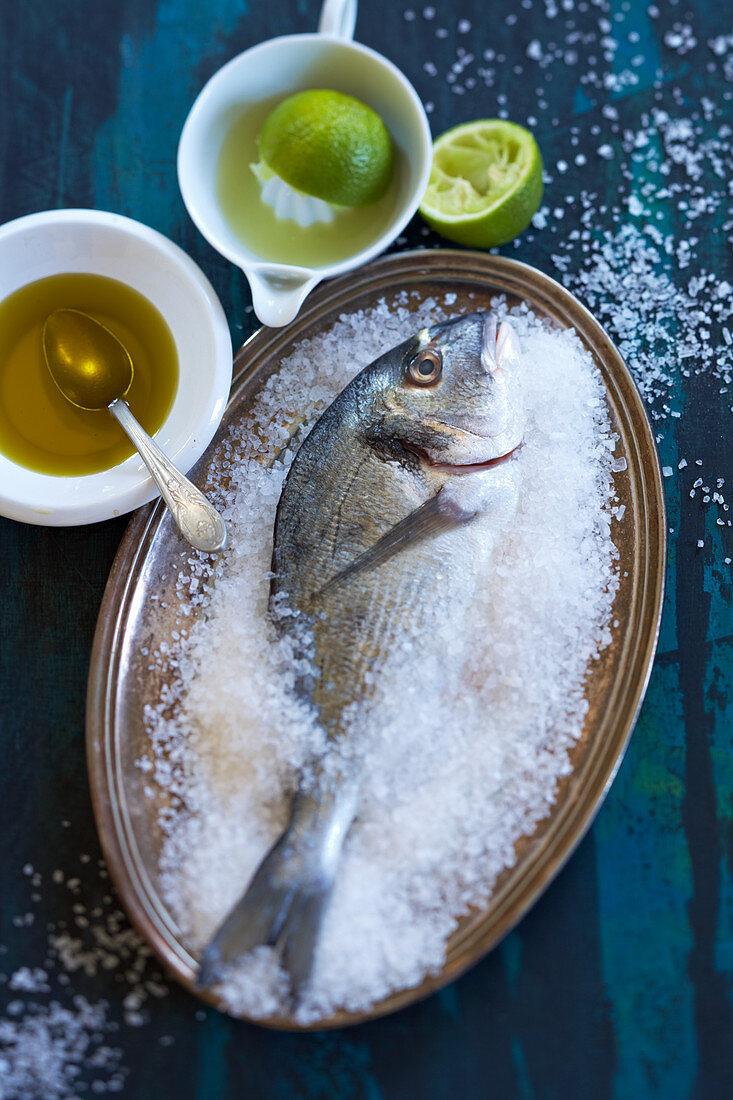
(352, 229)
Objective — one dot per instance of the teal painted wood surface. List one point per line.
(618, 984)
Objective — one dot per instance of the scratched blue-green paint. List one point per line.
(450, 1002)
(634, 19)
(718, 584)
(719, 696)
(668, 628)
(582, 101)
(333, 1065)
(636, 22)
(644, 883)
(511, 956)
(135, 151)
(669, 457)
(213, 1035)
(524, 1084)
(510, 950)
(64, 146)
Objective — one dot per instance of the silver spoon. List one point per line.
(93, 370)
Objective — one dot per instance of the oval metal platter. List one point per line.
(137, 614)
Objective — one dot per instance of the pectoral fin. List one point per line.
(437, 515)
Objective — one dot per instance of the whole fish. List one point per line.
(366, 550)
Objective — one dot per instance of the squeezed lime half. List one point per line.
(485, 183)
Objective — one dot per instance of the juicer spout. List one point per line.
(278, 291)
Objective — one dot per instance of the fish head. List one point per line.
(451, 393)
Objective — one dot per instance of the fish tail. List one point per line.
(256, 919)
(300, 935)
(284, 904)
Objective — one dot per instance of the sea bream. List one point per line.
(398, 490)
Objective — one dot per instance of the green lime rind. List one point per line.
(485, 183)
(329, 145)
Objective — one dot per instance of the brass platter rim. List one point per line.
(555, 839)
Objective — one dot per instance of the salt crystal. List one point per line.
(47, 1041)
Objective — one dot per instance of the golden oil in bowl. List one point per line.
(39, 428)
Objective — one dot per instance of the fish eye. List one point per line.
(426, 367)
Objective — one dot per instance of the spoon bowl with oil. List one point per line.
(93, 370)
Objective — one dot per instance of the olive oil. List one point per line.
(39, 428)
(255, 223)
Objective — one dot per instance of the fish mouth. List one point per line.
(474, 467)
(462, 467)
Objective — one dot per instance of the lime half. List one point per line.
(329, 145)
(485, 183)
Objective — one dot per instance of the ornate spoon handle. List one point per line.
(196, 519)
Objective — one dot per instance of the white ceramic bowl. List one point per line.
(281, 66)
(92, 241)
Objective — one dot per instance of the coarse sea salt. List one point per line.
(454, 776)
(58, 1039)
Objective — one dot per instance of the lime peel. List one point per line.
(485, 183)
(329, 145)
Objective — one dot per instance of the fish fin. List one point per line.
(300, 934)
(438, 514)
(257, 918)
(283, 905)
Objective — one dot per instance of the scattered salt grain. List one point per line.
(50, 1036)
(44, 1050)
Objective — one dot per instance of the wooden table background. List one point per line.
(618, 983)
